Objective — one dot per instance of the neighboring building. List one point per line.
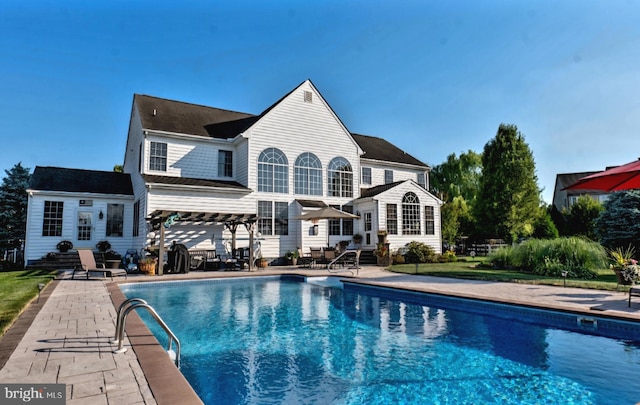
(563, 199)
(219, 170)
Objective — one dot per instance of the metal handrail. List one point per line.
(172, 336)
(115, 340)
(356, 265)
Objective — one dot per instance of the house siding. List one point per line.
(37, 245)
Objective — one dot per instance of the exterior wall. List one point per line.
(400, 173)
(37, 245)
(394, 196)
(295, 126)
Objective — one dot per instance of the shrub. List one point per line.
(418, 252)
(579, 257)
(103, 245)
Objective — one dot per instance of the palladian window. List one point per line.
(308, 174)
(410, 214)
(273, 171)
(340, 178)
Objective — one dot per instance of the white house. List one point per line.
(198, 172)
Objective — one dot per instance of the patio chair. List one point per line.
(316, 257)
(88, 264)
(304, 259)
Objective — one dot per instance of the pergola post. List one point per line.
(161, 250)
(250, 228)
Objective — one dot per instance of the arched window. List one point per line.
(308, 174)
(410, 214)
(273, 171)
(340, 178)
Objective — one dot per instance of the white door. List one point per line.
(85, 225)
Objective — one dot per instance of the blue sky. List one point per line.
(433, 77)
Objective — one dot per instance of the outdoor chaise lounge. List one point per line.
(89, 264)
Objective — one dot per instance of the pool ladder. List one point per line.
(135, 303)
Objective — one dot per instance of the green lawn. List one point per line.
(17, 289)
(469, 269)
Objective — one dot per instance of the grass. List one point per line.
(469, 269)
(17, 289)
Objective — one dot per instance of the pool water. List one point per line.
(273, 341)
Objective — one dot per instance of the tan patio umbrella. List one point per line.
(326, 213)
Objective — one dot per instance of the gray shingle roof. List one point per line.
(193, 119)
(186, 181)
(373, 191)
(379, 149)
(48, 178)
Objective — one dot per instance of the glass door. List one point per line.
(85, 225)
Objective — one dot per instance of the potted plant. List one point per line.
(262, 262)
(64, 246)
(292, 257)
(624, 266)
(103, 246)
(148, 265)
(357, 238)
(383, 254)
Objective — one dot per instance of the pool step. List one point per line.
(325, 281)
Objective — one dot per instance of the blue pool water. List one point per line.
(271, 341)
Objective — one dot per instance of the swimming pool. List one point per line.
(275, 340)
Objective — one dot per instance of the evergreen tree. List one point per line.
(618, 225)
(13, 206)
(509, 198)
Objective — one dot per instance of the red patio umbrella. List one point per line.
(625, 177)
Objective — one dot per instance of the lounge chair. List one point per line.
(89, 264)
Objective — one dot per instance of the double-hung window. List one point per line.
(273, 218)
(158, 156)
(388, 176)
(225, 163)
(366, 175)
(392, 219)
(430, 220)
(115, 219)
(52, 218)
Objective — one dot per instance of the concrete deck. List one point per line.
(65, 338)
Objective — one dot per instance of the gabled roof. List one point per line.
(373, 191)
(379, 149)
(567, 179)
(187, 181)
(47, 178)
(184, 118)
(312, 203)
